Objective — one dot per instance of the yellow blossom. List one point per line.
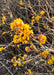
(33, 17)
(31, 23)
(25, 55)
(52, 58)
(44, 54)
(19, 59)
(1, 48)
(47, 26)
(17, 45)
(44, 26)
(11, 35)
(30, 46)
(29, 71)
(37, 18)
(11, 60)
(42, 39)
(26, 73)
(3, 19)
(24, 31)
(14, 57)
(15, 64)
(15, 39)
(52, 17)
(24, 62)
(42, 12)
(53, 70)
(19, 63)
(23, 58)
(50, 62)
(3, 33)
(27, 49)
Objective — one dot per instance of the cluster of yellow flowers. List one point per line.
(45, 26)
(23, 31)
(25, 56)
(42, 12)
(21, 2)
(30, 72)
(51, 61)
(3, 19)
(42, 39)
(44, 54)
(37, 17)
(16, 61)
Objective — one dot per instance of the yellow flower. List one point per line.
(44, 54)
(3, 22)
(12, 25)
(33, 17)
(3, 33)
(24, 31)
(19, 63)
(50, 62)
(52, 17)
(19, 59)
(15, 39)
(25, 41)
(26, 73)
(27, 38)
(1, 49)
(15, 64)
(47, 26)
(27, 49)
(11, 35)
(16, 23)
(53, 70)
(44, 26)
(17, 45)
(31, 23)
(37, 18)
(30, 46)
(52, 58)
(25, 55)
(23, 58)
(42, 39)
(3, 19)
(14, 57)
(42, 12)
(29, 71)
(11, 60)
(24, 62)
